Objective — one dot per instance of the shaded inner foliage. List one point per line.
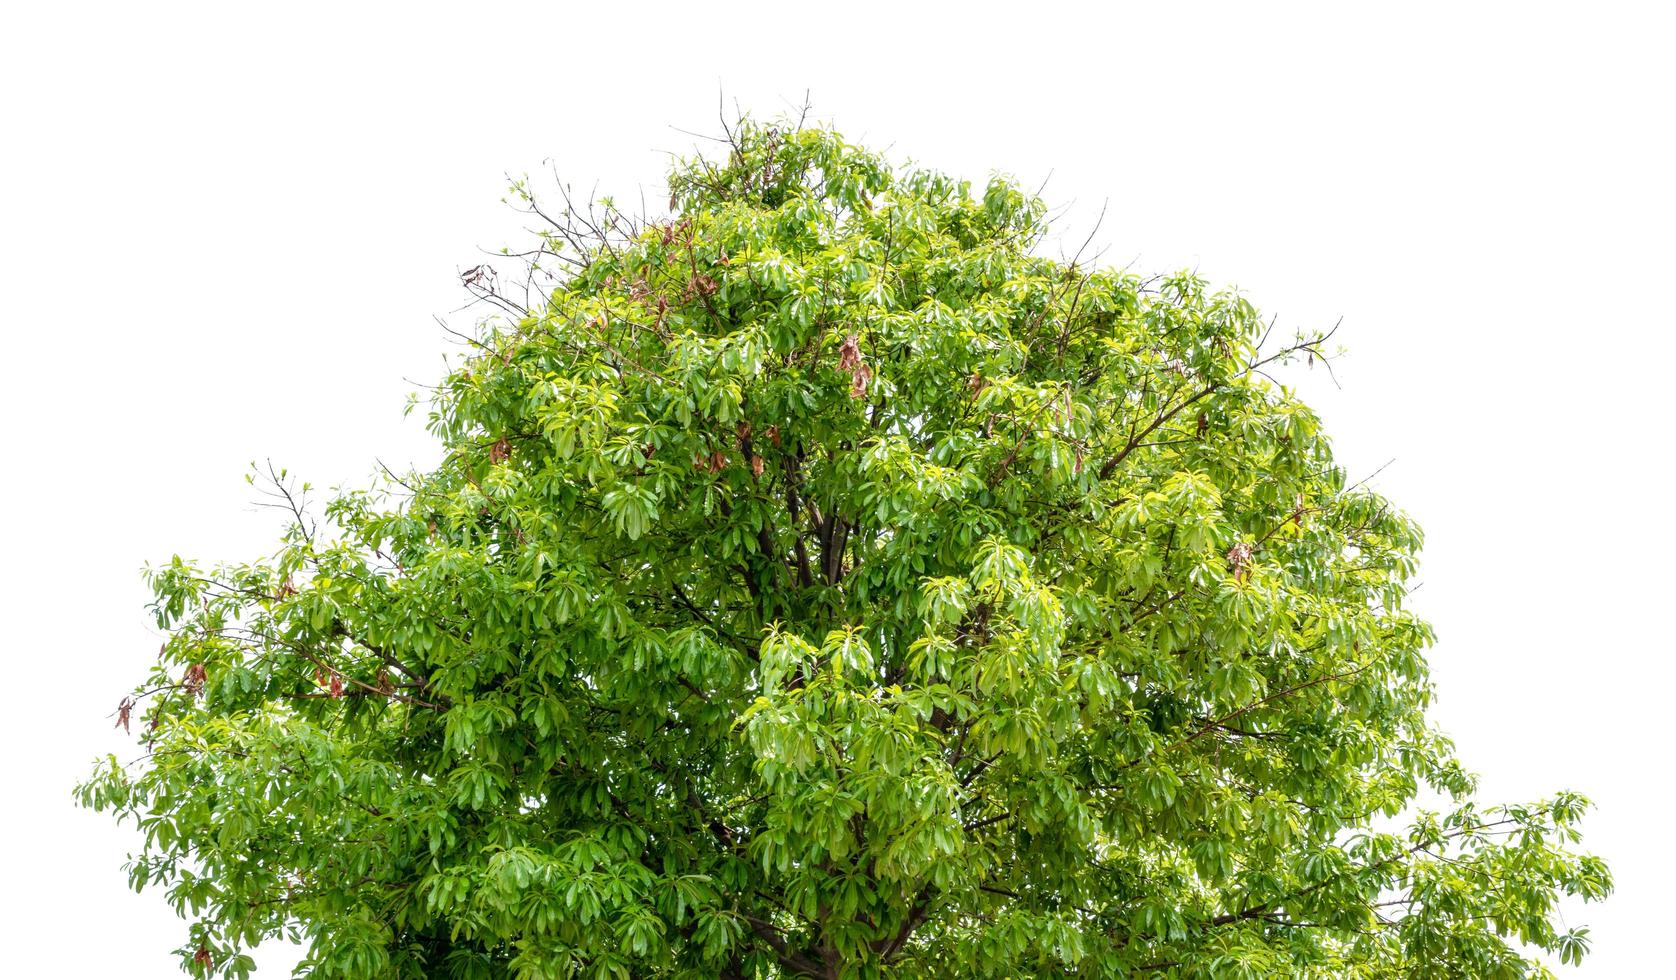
(821, 582)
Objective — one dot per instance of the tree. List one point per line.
(821, 582)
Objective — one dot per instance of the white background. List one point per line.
(226, 229)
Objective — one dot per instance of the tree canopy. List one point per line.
(821, 580)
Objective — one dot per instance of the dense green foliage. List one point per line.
(822, 582)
